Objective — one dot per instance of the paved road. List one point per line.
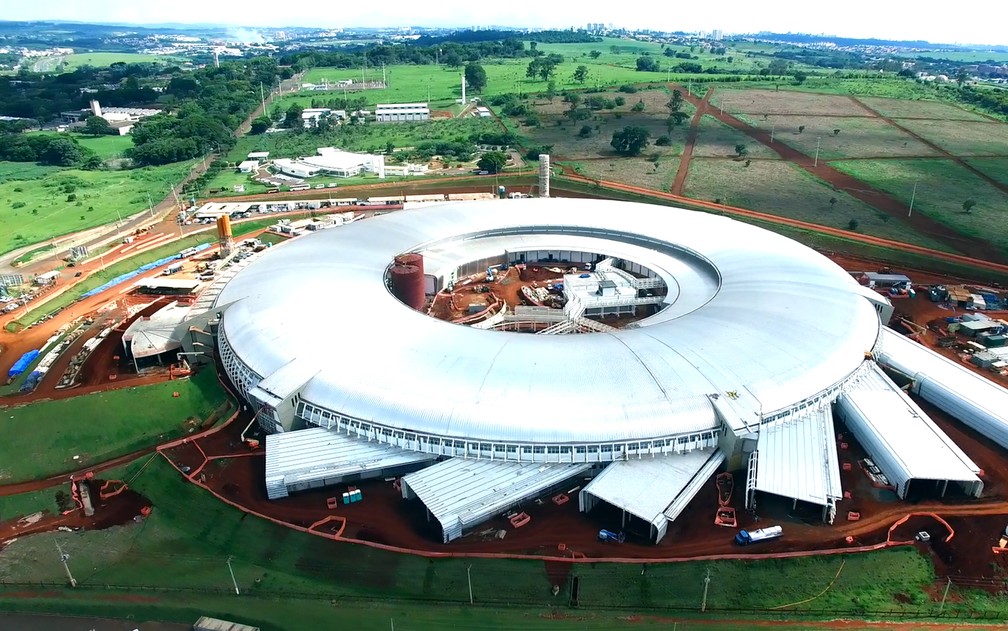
(41, 622)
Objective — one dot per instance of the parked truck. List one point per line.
(745, 537)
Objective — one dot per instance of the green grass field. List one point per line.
(98, 60)
(780, 188)
(963, 138)
(34, 204)
(181, 551)
(44, 436)
(996, 168)
(942, 187)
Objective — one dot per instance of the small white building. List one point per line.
(401, 112)
(258, 155)
(248, 166)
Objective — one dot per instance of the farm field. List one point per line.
(942, 187)
(117, 422)
(562, 134)
(858, 137)
(98, 60)
(717, 140)
(640, 171)
(756, 102)
(782, 189)
(996, 168)
(963, 138)
(904, 108)
(182, 548)
(34, 206)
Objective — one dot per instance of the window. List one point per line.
(553, 449)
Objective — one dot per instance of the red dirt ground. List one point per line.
(113, 511)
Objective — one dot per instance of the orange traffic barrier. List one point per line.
(847, 495)
(519, 520)
(853, 516)
(332, 503)
(560, 499)
(846, 466)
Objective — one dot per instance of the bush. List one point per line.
(638, 106)
(585, 132)
(663, 141)
(629, 89)
(72, 197)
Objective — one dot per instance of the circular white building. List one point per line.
(746, 328)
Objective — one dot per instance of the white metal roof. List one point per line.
(770, 319)
(157, 334)
(462, 492)
(797, 458)
(898, 433)
(645, 487)
(317, 454)
(966, 395)
(158, 282)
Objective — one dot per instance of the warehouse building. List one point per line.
(401, 112)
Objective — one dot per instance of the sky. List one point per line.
(976, 22)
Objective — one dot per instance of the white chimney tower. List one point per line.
(216, 58)
(544, 175)
(463, 90)
(95, 108)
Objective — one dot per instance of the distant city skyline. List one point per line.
(979, 22)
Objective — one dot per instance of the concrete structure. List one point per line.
(248, 166)
(544, 175)
(401, 112)
(157, 335)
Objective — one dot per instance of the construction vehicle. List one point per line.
(608, 535)
(490, 276)
(745, 537)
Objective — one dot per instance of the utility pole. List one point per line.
(150, 205)
(912, 197)
(706, 584)
(772, 128)
(233, 581)
(468, 578)
(262, 97)
(816, 163)
(945, 595)
(64, 557)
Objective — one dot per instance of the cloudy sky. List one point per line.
(978, 21)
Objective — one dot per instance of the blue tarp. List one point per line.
(22, 364)
(140, 270)
(31, 382)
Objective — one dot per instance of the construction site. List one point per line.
(821, 469)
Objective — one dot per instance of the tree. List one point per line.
(260, 125)
(801, 128)
(551, 89)
(853, 224)
(836, 132)
(968, 205)
(580, 74)
(475, 77)
(61, 152)
(800, 77)
(663, 141)
(962, 77)
(646, 63)
(586, 131)
(493, 161)
(833, 202)
(630, 140)
(676, 101)
(293, 118)
(638, 106)
(595, 54)
(741, 150)
(97, 126)
(452, 59)
(674, 120)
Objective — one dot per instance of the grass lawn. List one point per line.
(996, 168)
(34, 206)
(43, 437)
(100, 278)
(100, 60)
(904, 108)
(859, 137)
(717, 140)
(780, 188)
(963, 138)
(759, 101)
(290, 580)
(648, 170)
(105, 147)
(942, 187)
